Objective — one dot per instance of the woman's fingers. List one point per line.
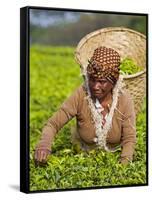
(41, 155)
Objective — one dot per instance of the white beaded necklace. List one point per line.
(102, 131)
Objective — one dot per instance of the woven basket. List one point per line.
(129, 44)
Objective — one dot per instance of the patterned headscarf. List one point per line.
(104, 64)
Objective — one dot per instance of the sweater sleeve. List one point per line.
(128, 130)
(66, 112)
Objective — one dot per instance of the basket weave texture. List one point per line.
(129, 44)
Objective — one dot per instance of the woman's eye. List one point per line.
(102, 82)
(99, 81)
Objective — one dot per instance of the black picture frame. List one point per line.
(25, 96)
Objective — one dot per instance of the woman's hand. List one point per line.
(41, 156)
(125, 161)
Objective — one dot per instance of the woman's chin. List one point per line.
(98, 96)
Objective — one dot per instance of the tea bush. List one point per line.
(54, 74)
(128, 66)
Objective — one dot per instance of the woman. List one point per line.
(104, 111)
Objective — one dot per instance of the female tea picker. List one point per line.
(104, 111)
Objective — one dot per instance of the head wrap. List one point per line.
(104, 64)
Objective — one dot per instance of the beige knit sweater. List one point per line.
(122, 131)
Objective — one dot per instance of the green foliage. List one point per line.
(53, 76)
(128, 66)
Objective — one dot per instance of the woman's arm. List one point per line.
(67, 111)
(128, 131)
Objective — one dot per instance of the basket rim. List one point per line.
(131, 76)
(104, 30)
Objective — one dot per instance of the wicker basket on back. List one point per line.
(129, 44)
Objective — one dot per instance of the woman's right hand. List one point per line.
(41, 156)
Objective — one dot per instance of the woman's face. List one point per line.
(99, 87)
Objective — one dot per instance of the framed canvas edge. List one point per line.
(24, 98)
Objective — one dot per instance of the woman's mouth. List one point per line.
(97, 92)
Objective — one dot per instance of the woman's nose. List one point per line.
(96, 85)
